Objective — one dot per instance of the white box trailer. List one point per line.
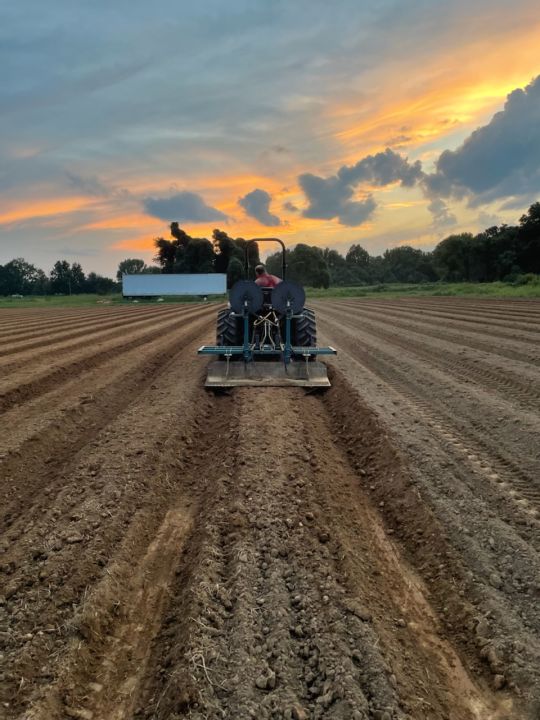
(148, 285)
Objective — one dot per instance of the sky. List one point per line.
(384, 123)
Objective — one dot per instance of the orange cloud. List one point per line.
(459, 89)
(44, 208)
(122, 222)
(136, 243)
(204, 183)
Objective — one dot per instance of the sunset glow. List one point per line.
(42, 209)
(101, 154)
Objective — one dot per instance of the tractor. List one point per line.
(266, 337)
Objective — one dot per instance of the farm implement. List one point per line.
(266, 337)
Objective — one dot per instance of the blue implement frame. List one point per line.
(249, 352)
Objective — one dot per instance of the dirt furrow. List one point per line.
(463, 312)
(29, 383)
(287, 598)
(102, 512)
(492, 532)
(29, 341)
(60, 347)
(507, 310)
(42, 436)
(504, 328)
(505, 454)
(370, 553)
(29, 321)
(528, 352)
(518, 383)
(492, 336)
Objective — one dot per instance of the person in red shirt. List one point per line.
(264, 279)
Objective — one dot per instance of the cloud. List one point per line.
(290, 207)
(398, 140)
(382, 169)
(333, 196)
(257, 205)
(442, 217)
(357, 212)
(259, 90)
(184, 207)
(497, 160)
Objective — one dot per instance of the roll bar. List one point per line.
(258, 240)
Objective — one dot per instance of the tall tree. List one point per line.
(77, 278)
(18, 277)
(230, 256)
(61, 278)
(253, 254)
(305, 265)
(529, 240)
(165, 254)
(357, 257)
(130, 266)
(452, 257)
(184, 254)
(225, 250)
(235, 271)
(98, 284)
(181, 237)
(408, 264)
(196, 257)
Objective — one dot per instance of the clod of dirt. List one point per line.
(73, 539)
(266, 680)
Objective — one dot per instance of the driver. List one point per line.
(264, 279)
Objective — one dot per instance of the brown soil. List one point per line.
(368, 553)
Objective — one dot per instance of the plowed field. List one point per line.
(371, 552)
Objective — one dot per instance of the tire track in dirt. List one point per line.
(18, 390)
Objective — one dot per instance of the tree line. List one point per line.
(19, 277)
(498, 253)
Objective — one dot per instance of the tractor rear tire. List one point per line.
(306, 330)
(226, 329)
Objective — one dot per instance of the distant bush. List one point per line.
(526, 279)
